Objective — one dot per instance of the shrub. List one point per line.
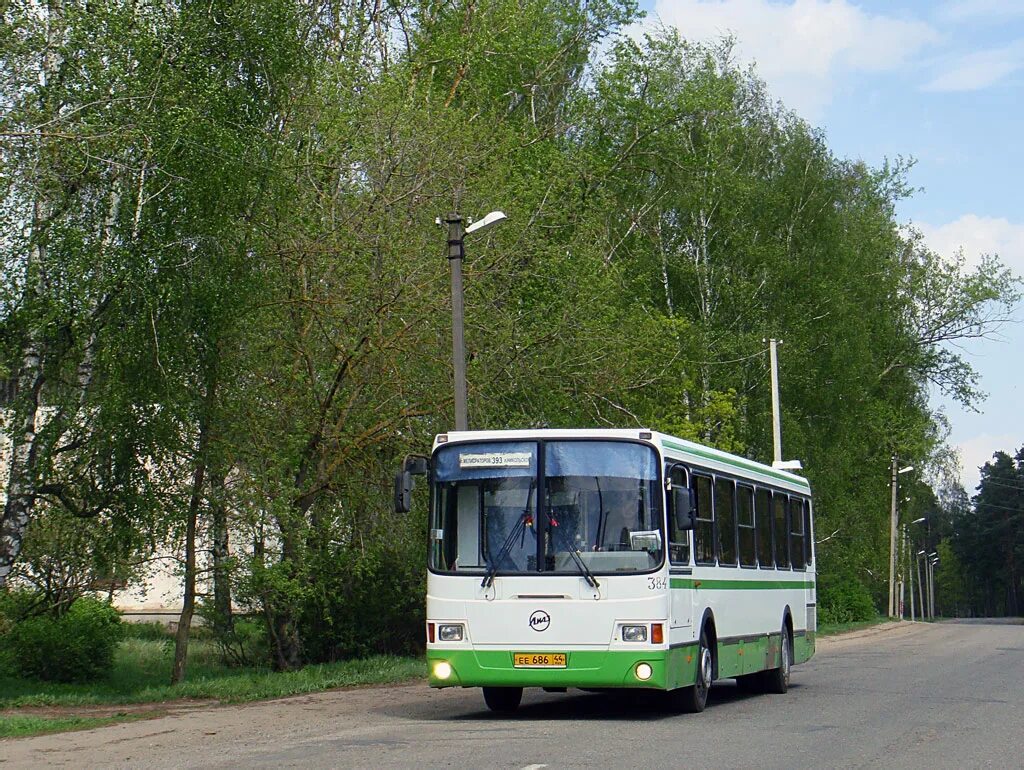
(844, 599)
(147, 632)
(15, 605)
(77, 646)
(369, 602)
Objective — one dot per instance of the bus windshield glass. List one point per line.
(527, 507)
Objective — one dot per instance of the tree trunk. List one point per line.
(23, 468)
(189, 599)
(284, 628)
(25, 450)
(195, 500)
(223, 621)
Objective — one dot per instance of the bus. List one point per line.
(603, 559)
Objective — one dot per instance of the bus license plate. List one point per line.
(538, 659)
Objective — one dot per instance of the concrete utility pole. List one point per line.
(773, 356)
(910, 572)
(456, 234)
(893, 523)
(892, 539)
(931, 586)
(920, 585)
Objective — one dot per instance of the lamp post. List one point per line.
(457, 233)
(920, 584)
(896, 471)
(911, 548)
(773, 357)
(933, 559)
(777, 462)
(905, 564)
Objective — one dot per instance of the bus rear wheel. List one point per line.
(503, 700)
(776, 680)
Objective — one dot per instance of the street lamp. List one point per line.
(457, 233)
(896, 471)
(917, 569)
(930, 560)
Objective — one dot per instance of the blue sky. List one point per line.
(941, 82)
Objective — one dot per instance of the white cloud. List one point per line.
(980, 69)
(801, 46)
(978, 450)
(977, 236)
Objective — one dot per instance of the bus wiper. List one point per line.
(518, 530)
(574, 553)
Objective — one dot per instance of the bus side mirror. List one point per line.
(412, 465)
(684, 507)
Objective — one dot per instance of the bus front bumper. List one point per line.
(669, 668)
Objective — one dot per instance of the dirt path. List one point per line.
(203, 732)
(106, 711)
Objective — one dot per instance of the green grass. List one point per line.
(142, 669)
(21, 726)
(831, 629)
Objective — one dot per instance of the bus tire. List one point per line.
(693, 699)
(503, 700)
(776, 680)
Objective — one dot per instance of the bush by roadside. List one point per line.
(843, 599)
(75, 646)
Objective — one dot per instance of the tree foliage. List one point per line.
(985, 575)
(224, 306)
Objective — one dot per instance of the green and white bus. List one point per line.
(603, 559)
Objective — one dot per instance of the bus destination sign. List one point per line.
(496, 460)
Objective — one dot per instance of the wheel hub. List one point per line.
(705, 667)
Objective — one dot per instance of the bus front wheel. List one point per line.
(503, 700)
(694, 698)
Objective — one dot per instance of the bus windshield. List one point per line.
(599, 502)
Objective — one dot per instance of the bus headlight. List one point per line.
(442, 669)
(643, 671)
(450, 632)
(634, 633)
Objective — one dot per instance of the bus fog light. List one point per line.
(634, 633)
(443, 669)
(643, 671)
(450, 632)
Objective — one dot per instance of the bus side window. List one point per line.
(725, 518)
(745, 522)
(763, 527)
(780, 504)
(808, 535)
(679, 540)
(796, 531)
(703, 535)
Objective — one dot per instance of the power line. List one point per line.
(987, 482)
(1018, 509)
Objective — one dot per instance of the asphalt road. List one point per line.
(903, 696)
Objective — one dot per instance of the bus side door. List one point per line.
(681, 597)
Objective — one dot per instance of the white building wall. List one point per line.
(159, 595)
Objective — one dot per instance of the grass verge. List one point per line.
(24, 725)
(142, 670)
(831, 629)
